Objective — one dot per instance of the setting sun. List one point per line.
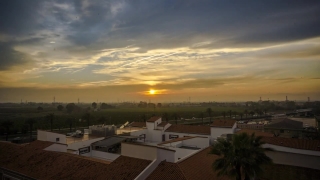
(151, 91)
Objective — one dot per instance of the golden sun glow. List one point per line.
(151, 91)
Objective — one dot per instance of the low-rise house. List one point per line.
(31, 161)
(285, 127)
(219, 127)
(158, 131)
(294, 152)
(199, 166)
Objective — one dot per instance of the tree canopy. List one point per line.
(243, 155)
(60, 107)
(70, 107)
(94, 105)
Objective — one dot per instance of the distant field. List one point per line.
(112, 116)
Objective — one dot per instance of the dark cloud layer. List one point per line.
(166, 23)
(19, 17)
(10, 57)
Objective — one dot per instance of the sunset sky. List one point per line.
(215, 50)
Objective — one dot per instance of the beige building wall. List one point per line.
(292, 159)
(139, 151)
(197, 142)
(51, 137)
(42, 135)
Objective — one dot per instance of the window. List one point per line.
(57, 139)
(172, 136)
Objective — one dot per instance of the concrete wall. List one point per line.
(182, 153)
(87, 154)
(216, 131)
(234, 127)
(81, 144)
(150, 125)
(138, 133)
(163, 154)
(182, 135)
(173, 144)
(41, 135)
(158, 121)
(156, 135)
(197, 142)
(160, 128)
(51, 137)
(293, 159)
(104, 155)
(166, 126)
(57, 147)
(291, 150)
(139, 151)
(153, 125)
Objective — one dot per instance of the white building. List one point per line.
(157, 131)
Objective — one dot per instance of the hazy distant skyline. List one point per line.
(207, 50)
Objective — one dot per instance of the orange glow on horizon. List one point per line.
(152, 91)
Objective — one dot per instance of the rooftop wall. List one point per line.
(139, 151)
(104, 155)
(292, 159)
(197, 142)
(51, 137)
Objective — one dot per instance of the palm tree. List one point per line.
(243, 155)
(235, 114)
(144, 117)
(30, 122)
(251, 113)
(209, 111)
(69, 122)
(94, 105)
(246, 113)
(102, 120)
(7, 125)
(224, 114)
(265, 111)
(165, 116)
(175, 116)
(257, 111)
(50, 117)
(201, 115)
(86, 116)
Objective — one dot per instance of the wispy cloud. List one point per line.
(174, 46)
